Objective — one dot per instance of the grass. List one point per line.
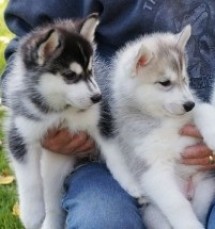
(8, 195)
(5, 35)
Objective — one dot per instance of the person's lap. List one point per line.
(94, 200)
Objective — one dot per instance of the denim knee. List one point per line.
(94, 200)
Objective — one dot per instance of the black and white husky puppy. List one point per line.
(51, 84)
(152, 101)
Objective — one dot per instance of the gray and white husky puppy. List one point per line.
(51, 84)
(152, 101)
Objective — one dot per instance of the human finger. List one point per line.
(197, 161)
(88, 146)
(56, 139)
(190, 130)
(52, 133)
(197, 151)
(78, 141)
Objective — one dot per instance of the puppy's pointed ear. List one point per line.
(184, 36)
(48, 45)
(143, 58)
(88, 26)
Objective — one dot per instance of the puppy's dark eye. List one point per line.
(165, 83)
(70, 76)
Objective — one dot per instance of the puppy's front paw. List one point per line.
(32, 215)
(195, 226)
(134, 191)
(190, 225)
(53, 221)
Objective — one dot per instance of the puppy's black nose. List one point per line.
(96, 98)
(188, 106)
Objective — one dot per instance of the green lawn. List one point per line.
(8, 196)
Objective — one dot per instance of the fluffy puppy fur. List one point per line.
(52, 84)
(152, 101)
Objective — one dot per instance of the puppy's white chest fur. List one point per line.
(72, 119)
(165, 141)
(82, 120)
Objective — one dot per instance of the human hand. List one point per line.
(198, 154)
(64, 142)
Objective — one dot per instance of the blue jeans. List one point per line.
(211, 217)
(94, 200)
